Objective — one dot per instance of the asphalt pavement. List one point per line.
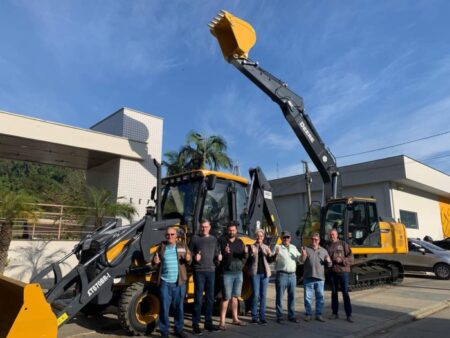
(378, 312)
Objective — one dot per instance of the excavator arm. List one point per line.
(234, 35)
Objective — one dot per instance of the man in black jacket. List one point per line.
(234, 256)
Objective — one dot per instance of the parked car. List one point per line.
(444, 243)
(424, 257)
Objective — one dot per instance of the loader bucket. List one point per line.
(236, 37)
(24, 311)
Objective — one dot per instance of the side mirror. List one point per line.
(211, 182)
(153, 194)
(422, 250)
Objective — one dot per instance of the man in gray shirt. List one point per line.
(314, 258)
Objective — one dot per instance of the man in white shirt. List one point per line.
(287, 257)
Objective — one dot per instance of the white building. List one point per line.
(117, 152)
(405, 189)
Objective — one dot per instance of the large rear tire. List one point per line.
(139, 309)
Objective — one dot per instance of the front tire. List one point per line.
(139, 309)
(442, 271)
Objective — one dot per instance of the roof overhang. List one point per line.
(29, 139)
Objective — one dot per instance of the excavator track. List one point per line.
(375, 273)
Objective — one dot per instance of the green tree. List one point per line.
(210, 151)
(13, 205)
(174, 162)
(100, 203)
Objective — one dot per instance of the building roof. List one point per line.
(402, 170)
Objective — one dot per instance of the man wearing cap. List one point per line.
(314, 258)
(286, 260)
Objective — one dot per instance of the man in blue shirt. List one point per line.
(172, 258)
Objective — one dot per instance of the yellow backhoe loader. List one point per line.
(114, 260)
(355, 218)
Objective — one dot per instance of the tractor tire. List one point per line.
(138, 309)
(442, 271)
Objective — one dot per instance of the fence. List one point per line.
(54, 222)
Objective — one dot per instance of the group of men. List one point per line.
(206, 254)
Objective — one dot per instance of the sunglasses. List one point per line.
(170, 235)
(314, 239)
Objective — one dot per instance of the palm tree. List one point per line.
(100, 203)
(175, 162)
(200, 151)
(13, 205)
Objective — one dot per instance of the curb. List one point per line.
(401, 320)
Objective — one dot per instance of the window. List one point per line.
(216, 208)
(409, 219)
(363, 228)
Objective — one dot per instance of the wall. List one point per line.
(425, 205)
(26, 258)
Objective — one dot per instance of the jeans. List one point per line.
(203, 281)
(259, 286)
(313, 285)
(171, 294)
(232, 284)
(341, 279)
(285, 281)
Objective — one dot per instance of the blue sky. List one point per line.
(372, 73)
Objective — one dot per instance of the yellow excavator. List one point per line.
(355, 218)
(114, 261)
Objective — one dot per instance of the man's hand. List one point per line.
(227, 249)
(303, 252)
(338, 259)
(198, 256)
(328, 259)
(156, 259)
(277, 250)
(219, 257)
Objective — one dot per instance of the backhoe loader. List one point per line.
(114, 261)
(355, 218)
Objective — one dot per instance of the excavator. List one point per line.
(355, 218)
(114, 261)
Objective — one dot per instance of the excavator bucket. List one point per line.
(24, 311)
(236, 37)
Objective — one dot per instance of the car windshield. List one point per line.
(429, 246)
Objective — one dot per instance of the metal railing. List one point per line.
(54, 222)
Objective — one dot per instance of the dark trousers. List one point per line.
(203, 282)
(336, 280)
(171, 294)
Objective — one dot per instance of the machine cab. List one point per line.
(355, 219)
(203, 194)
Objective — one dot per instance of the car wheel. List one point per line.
(442, 271)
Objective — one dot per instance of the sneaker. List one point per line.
(350, 319)
(280, 321)
(196, 329)
(181, 334)
(320, 319)
(263, 322)
(293, 320)
(334, 316)
(255, 321)
(307, 318)
(212, 327)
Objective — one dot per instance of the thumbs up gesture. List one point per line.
(219, 257)
(277, 250)
(328, 259)
(303, 252)
(198, 256)
(156, 258)
(188, 256)
(254, 249)
(227, 249)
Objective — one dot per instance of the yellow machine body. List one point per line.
(236, 37)
(24, 311)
